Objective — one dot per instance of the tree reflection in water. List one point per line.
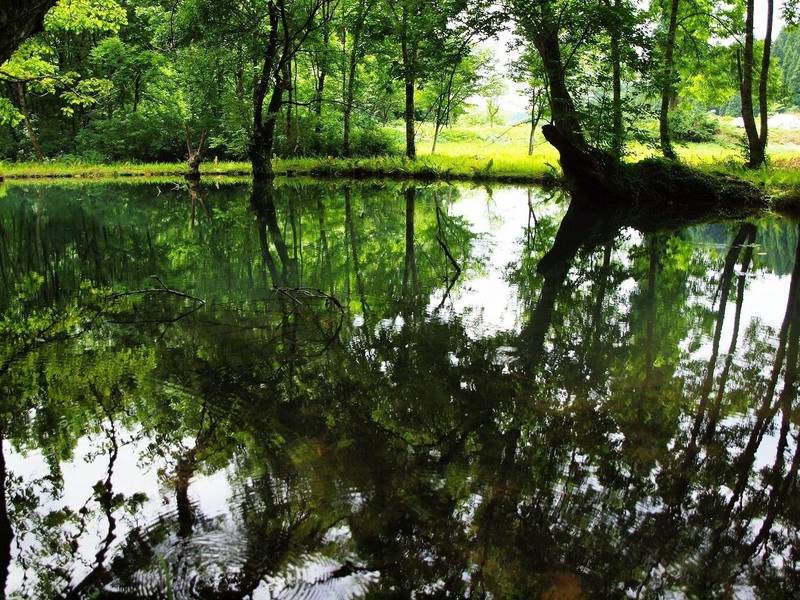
(635, 435)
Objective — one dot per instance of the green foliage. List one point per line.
(149, 134)
(120, 80)
(690, 123)
(787, 51)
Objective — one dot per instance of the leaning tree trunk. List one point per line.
(19, 21)
(564, 114)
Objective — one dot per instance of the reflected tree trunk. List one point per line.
(354, 248)
(441, 239)
(263, 204)
(786, 352)
(654, 244)
(184, 471)
(722, 382)
(725, 283)
(410, 283)
(597, 309)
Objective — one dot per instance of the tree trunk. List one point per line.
(617, 134)
(763, 89)
(756, 141)
(323, 64)
(536, 113)
(194, 155)
(291, 143)
(318, 103)
(411, 150)
(262, 137)
(410, 263)
(746, 90)
(562, 108)
(601, 178)
(667, 83)
(22, 94)
(137, 91)
(350, 91)
(409, 68)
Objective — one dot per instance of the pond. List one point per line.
(333, 389)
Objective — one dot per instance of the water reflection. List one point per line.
(308, 402)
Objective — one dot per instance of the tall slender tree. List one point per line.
(756, 139)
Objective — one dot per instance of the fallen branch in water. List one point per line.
(164, 289)
(296, 293)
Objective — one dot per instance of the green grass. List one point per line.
(55, 168)
(463, 153)
(503, 167)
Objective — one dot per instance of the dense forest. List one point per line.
(156, 80)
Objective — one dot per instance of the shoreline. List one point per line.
(782, 183)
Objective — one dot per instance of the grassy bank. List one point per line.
(783, 171)
(477, 153)
(501, 168)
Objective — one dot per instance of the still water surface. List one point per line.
(382, 391)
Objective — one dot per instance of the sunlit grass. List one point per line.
(55, 168)
(463, 152)
(503, 166)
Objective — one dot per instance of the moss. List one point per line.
(677, 183)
